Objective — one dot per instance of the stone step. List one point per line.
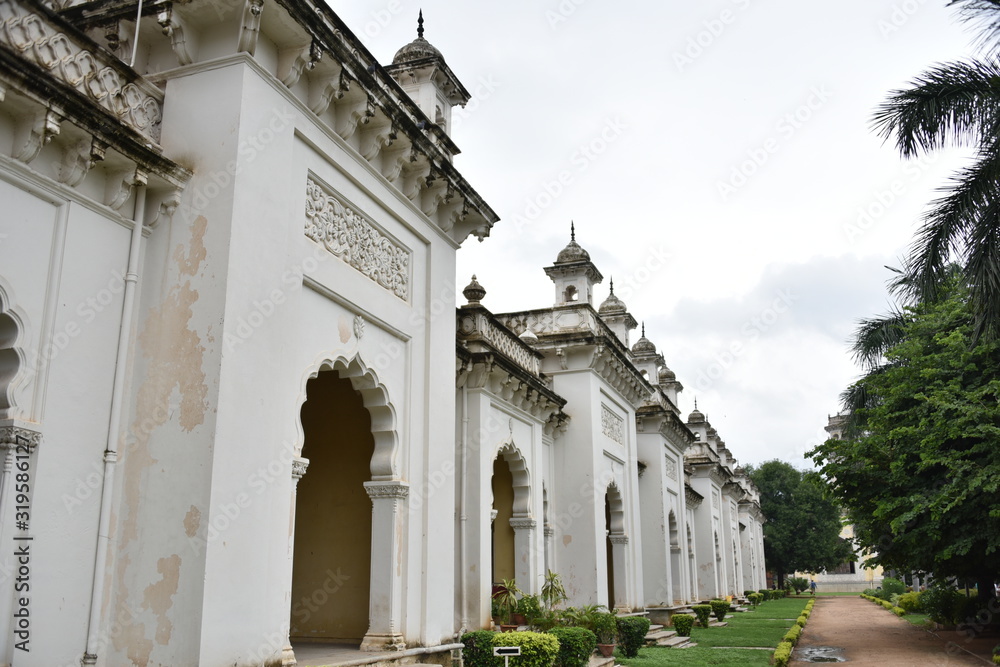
(653, 627)
(717, 624)
(653, 638)
(673, 642)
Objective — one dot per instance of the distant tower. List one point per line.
(574, 274)
(421, 71)
(836, 425)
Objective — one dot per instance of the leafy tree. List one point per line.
(957, 104)
(802, 531)
(921, 480)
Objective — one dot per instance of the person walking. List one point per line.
(812, 586)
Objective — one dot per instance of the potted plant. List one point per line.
(529, 610)
(506, 598)
(553, 591)
(606, 629)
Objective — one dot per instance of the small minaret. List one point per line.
(421, 71)
(616, 315)
(573, 273)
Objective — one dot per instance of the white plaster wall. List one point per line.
(62, 262)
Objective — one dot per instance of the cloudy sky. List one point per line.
(718, 160)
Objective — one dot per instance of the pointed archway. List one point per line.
(331, 572)
(513, 527)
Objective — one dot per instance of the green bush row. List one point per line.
(782, 654)
(772, 594)
(537, 649)
(720, 608)
(793, 635)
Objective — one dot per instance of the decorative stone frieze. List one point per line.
(612, 425)
(346, 234)
(15, 434)
(692, 497)
(671, 468)
(522, 523)
(618, 539)
(473, 324)
(299, 466)
(36, 38)
(387, 489)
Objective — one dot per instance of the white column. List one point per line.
(525, 554)
(619, 556)
(385, 611)
(299, 466)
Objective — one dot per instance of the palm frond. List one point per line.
(876, 336)
(982, 269)
(949, 224)
(953, 103)
(986, 15)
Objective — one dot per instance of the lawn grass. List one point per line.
(764, 626)
(917, 619)
(697, 657)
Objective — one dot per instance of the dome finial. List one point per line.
(695, 402)
(644, 328)
(572, 231)
(612, 285)
(420, 24)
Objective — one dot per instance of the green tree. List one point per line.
(921, 480)
(802, 531)
(957, 104)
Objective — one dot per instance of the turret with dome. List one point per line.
(573, 273)
(421, 71)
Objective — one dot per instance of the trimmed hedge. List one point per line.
(682, 624)
(782, 654)
(801, 621)
(703, 612)
(575, 646)
(910, 602)
(537, 649)
(720, 608)
(632, 632)
(478, 650)
(793, 635)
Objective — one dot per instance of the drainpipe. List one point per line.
(462, 516)
(111, 450)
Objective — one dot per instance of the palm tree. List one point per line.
(957, 104)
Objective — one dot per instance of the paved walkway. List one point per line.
(870, 635)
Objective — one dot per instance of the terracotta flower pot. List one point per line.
(507, 628)
(606, 649)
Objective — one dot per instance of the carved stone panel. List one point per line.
(347, 234)
(612, 425)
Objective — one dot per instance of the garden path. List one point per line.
(870, 635)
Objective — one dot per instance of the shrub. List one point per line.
(792, 636)
(529, 607)
(941, 602)
(720, 608)
(575, 646)
(537, 649)
(747, 594)
(801, 621)
(682, 624)
(703, 612)
(910, 602)
(799, 583)
(632, 634)
(891, 587)
(478, 650)
(755, 598)
(782, 654)
(605, 627)
(899, 611)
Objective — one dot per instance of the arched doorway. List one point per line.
(331, 570)
(503, 511)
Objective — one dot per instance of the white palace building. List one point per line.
(238, 419)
